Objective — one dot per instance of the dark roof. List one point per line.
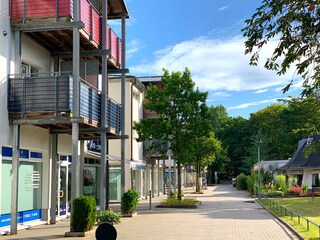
(299, 159)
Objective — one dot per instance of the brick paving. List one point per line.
(224, 213)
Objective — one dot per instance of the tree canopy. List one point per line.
(177, 105)
(295, 25)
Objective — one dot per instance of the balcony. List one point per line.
(50, 96)
(43, 12)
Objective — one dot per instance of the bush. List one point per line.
(305, 188)
(108, 216)
(241, 182)
(172, 201)
(83, 215)
(275, 194)
(129, 202)
(281, 183)
(252, 183)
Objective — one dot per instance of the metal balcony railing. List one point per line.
(53, 93)
(39, 10)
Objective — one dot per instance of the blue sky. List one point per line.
(205, 36)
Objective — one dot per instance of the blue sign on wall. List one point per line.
(94, 146)
(25, 216)
(7, 154)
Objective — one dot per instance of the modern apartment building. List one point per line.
(56, 57)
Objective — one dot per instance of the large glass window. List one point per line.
(91, 182)
(115, 184)
(29, 195)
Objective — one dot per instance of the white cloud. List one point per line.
(221, 94)
(215, 64)
(214, 96)
(132, 47)
(223, 8)
(261, 91)
(246, 105)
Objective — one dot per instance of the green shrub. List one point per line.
(252, 183)
(241, 182)
(108, 216)
(83, 215)
(172, 201)
(305, 188)
(275, 194)
(281, 183)
(292, 181)
(129, 202)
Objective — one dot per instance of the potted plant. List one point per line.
(108, 216)
(129, 203)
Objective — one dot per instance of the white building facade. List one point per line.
(53, 76)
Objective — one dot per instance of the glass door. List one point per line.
(62, 190)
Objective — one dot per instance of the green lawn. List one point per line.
(304, 206)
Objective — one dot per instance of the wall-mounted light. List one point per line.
(4, 33)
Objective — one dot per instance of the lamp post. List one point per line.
(259, 142)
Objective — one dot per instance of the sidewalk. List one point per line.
(224, 213)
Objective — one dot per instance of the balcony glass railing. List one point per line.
(39, 10)
(53, 94)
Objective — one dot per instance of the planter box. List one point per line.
(179, 205)
(79, 234)
(130, 214)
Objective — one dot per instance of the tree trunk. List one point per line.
(197, 177)
(179, 181)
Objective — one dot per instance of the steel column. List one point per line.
(81, 159)
(104, 86)
(123, 103)
(75, 169)
(15, 179)
(54, 180)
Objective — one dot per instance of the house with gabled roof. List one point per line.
(305, 162)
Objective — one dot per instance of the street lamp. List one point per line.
(259, 142)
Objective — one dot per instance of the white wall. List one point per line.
(6, 67)
(36, 56)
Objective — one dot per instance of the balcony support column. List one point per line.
(123, 104)
(15, 179)
(54, 179)
(17, 55)
(104, 186)
(75, 167)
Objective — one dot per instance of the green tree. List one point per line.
(294, 24)
(272, 127)
(219, 119)
(303, 115)
(237, 139)
(176, 104)
(205, 150)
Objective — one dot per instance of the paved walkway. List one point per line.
(224, 213)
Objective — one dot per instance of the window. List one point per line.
(309, 141)
(136, 96)
(29, 70)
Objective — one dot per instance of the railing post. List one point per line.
(307, 224)
(291, 214)
(57, 10)
(23, 109)
(90, 104)
(25, 11)
(299, 219)
(56, 89)
(91, 23)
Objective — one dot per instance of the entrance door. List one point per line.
(62, 190)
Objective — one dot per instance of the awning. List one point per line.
(138, 165)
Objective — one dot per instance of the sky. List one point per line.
(204, 36)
